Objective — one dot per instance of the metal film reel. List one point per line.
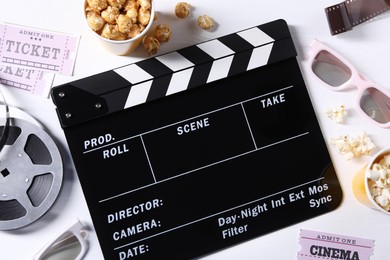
(31, 173)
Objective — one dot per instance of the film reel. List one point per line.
(31, 174)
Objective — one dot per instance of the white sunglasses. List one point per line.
(68, 245)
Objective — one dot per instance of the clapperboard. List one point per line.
(189, 152)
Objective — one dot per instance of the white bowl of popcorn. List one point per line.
(119, 25)
(377, 181)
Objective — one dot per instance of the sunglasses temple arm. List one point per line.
(76, 229)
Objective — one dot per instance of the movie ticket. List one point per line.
(321, 245)
(29, 57)
(36, 82)
(37, 49)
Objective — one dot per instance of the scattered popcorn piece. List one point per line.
(182, 9)
(337, 114)
(205, 22)
(163, 33)
(151, 44)
(352, 147)
(379, 182)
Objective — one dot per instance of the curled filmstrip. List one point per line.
(344, 16)
(31, 172)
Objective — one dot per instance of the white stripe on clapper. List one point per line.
(260, 56)
(180, 81)
(175, 61)
(255, 37)
(133, 73)
(138, 94)
(215, 49)
(220, 69)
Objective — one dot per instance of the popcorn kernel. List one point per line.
(182, 10)
(95, 21)
(163, 33)
(110, 14)
(205, 22)
(98, 5)
(151, 44)
(352, 147)
(378, 182)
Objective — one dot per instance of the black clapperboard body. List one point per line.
(189, 152)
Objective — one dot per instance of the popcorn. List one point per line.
(112, 32)
(151, 44)
(145, 4)
(352, 147)
(132, 14)
(337, 114)
(163, 33)
(182, 9)
(116, 3)
(95, 21)
(97, 5)
(205, 22)
(135, 30)
(110, 14)
(131, 5)
(143, 16)
(125, 24)
(379, 182)
(118, 19)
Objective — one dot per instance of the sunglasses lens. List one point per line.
(330, 69)
(64, 248)
(376, 105)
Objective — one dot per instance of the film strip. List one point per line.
(16, 84)
(170, 73)
(31, 170)
(344, 16)
(36, 65)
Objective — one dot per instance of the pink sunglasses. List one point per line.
(337, 74)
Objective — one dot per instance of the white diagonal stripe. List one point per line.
(215, 49)
(138, 94)
(220, 69)
(260, 56)
(256, 37)
(133, 73)
(175, 61)
(179, 81)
